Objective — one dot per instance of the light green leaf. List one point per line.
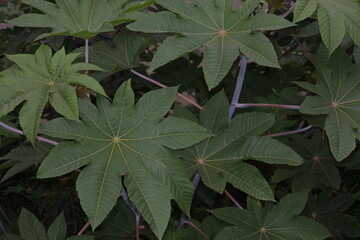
(338, 88)
(213, 24)
(51, 78)
(270, 222)
(336, 17)
(57, 230)
(218, 159)
(84, 19)
(115, 140)
(30, 227)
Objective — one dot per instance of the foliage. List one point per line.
(103, 147)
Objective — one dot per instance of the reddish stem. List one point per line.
(84, 228)
(137, 226)
(197, 229)
(233, 199)
(164, 86)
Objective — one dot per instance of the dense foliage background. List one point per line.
(179, 119)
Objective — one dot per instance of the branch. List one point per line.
(137, 226)
(233, 199)
(197, 229)
(248, 105)
(290, 132)
(308, 56)
(164, 86)
(84, 228)
(239, 85)
(14, 130)
(290, 10)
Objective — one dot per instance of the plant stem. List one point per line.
(233, 199)
(164, 86)
(14, 130)
(137, 226)
(239, 85)
(86, 50)
(248, 105)
(290, 132)
(290, 10)
(84, 228)
(197, 229)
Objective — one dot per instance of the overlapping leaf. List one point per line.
(214, 24)
(319, 168)
(23, 157)
(329, 211)
(218, 159)
(42, 78)
(80, 18)
(31, 228)
(271, 222)
(336, 17)
(118, 55)
(338, 90)
(120, 139)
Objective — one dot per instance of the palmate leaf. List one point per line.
(336, 17)
(329, 211)
(338, 90)
(79, 18)
(319, 168)
(271, 222)
(214, 24)
(218, 159)
(42, 78)
(121, 139)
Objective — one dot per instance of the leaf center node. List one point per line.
(263, 230)
(335, 105)
(222, 33)
(201, 161)
(116, 140)
(51, 84)
(313, 215)
(316, 158)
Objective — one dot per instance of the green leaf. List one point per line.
(23, 157)
(118, 139)
(50, 79)
(335, 18)
(30, 227)
(82, 237)
(328, 210)
(270, 222)
(338, 92)
(213, 24)
(218, 159)
(10, 237)
(57, 230)
(319, 168)
(119, 224)
(118, 55)
(84, 19)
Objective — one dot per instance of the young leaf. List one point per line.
(319, 168)
(40, 78)
(84, 19)
(214, 24)
(271, 222)
(338, 90)
(335, 18)
(122, 139)
(30, 227)
(57, 230)
(218, 159)
(23, 157)
(330, 212)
